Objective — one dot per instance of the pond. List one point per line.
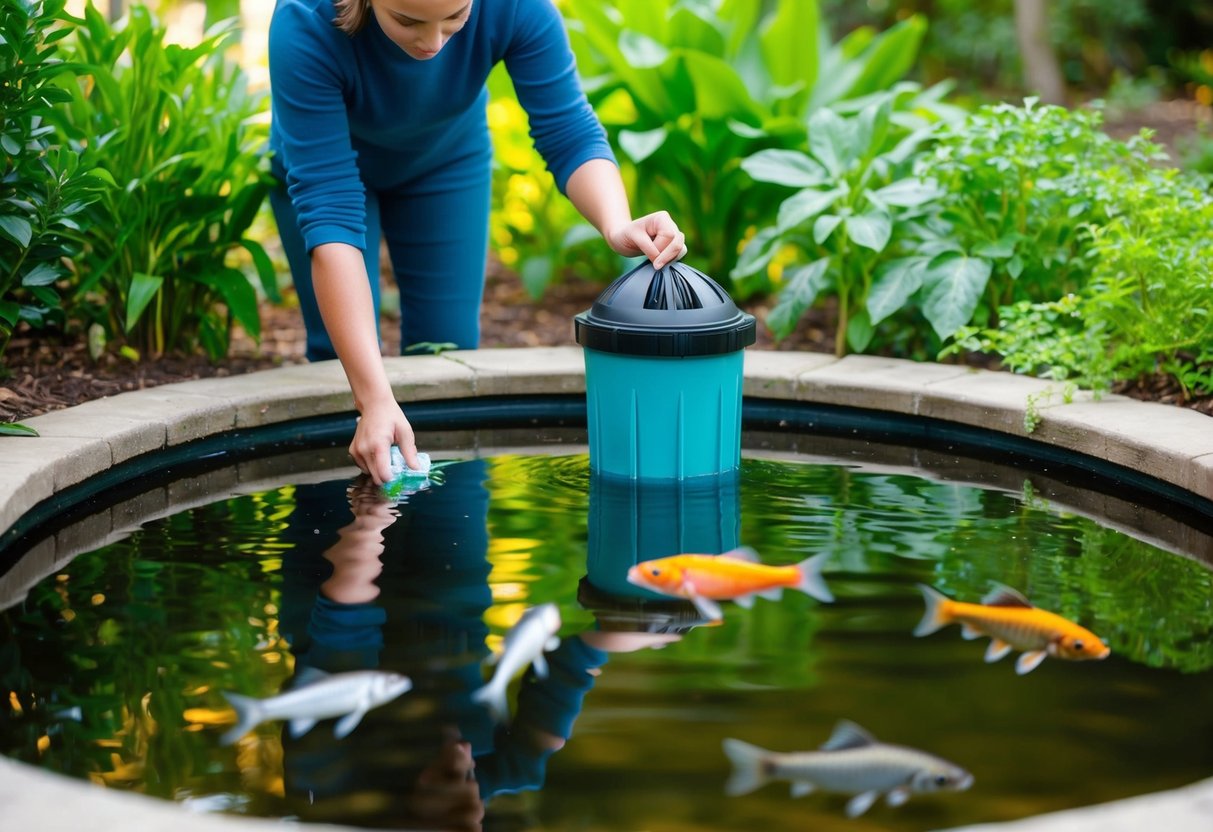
(115, 668)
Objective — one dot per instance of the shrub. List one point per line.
(689, 89)
(1148, 305)
(176, 129)
(43, 188)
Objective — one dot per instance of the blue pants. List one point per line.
(437, 236)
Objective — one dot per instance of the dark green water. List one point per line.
(112, 669)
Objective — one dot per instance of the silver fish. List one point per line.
(318, 695)
(851, 761)
(525, 643)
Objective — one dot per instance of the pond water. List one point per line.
(114, 668)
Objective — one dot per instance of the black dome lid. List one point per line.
(676, 310)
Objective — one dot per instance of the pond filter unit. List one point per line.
(663, 373)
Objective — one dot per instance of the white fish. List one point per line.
(851, 761)
(319, 695)
(525, 643)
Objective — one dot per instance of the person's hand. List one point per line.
(655, 235)
(382, 425)
(356, 554)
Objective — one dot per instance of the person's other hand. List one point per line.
(382, 425)
(655, 235)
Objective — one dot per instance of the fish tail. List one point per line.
(936, 616)
(492, 696)
(248, 716)
(749, 767)
(811, 581)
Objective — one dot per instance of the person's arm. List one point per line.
(596, 189)
(343, 294)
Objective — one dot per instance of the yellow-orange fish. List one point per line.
(1012, 623)
(736, 575)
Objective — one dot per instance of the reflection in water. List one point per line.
(408, 589)
(531, 636)
(1012, 623)
(113, 668)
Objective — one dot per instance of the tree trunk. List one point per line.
(1041, 72)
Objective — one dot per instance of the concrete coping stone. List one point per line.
(1169, 443)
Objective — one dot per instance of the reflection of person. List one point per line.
(379, 124)
(407, 591)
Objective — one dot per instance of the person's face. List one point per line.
(421, 27)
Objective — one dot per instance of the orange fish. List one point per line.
(1012, 623)
(736, 575)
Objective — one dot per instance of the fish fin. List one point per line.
(1027, 662)
(745, 553)
(541, 666)
(897, 796)
(997, 649)
(749, 769)
(968, 632)
(301, 726)
(772, 594)
(348, 723)
(847, 735)
(1003, 596)
(935, 617)
(551, 644)
(802, 787)
(248, 716)
(811, 581)
(860, 803)
(707, 607)
(492, 696)
(744, 601)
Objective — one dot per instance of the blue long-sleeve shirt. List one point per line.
(348, 110)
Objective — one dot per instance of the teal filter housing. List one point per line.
(663, 374)
(635, 520)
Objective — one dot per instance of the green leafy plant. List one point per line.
(16, 429)
(176, 129)
(1148, 307)
(43, 188)
(852, 220)
(1022, 186)
(689, 88)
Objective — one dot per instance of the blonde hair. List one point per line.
(351, 15)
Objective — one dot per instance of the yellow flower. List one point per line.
(508, 255)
